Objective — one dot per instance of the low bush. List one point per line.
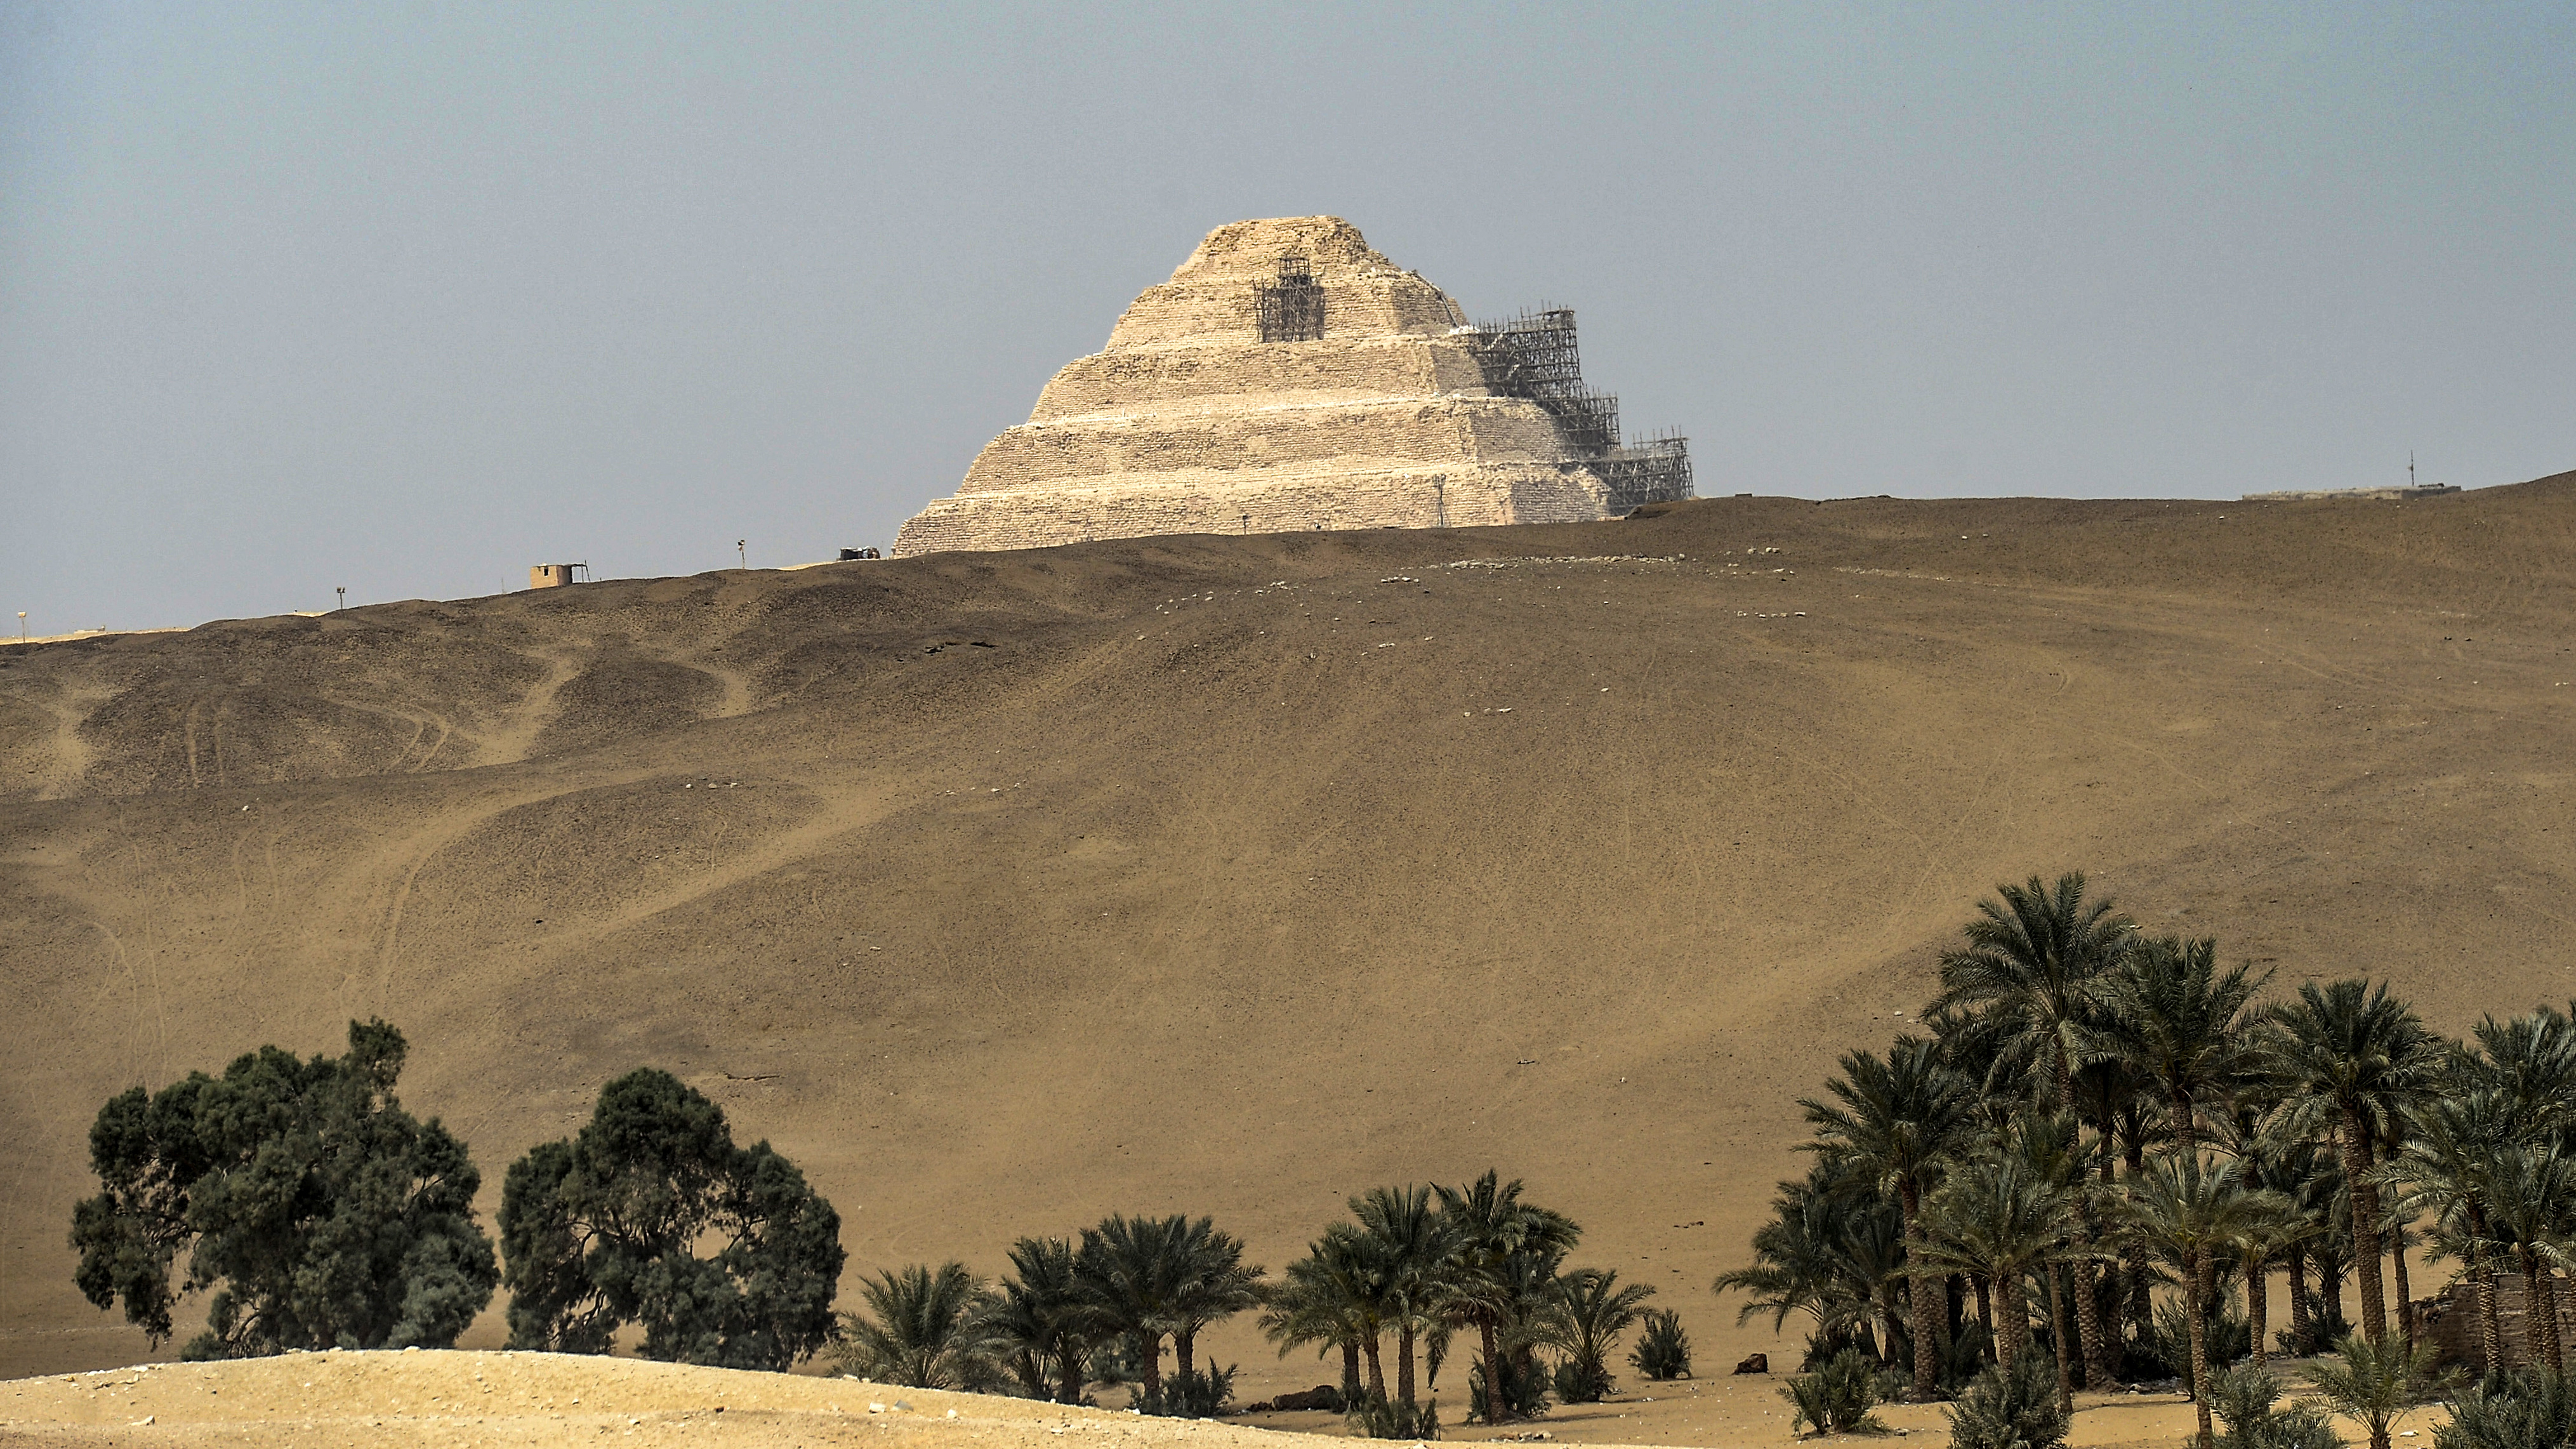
(1374, 1416)
(1837, 1398)
(2244, 1399)
(1663, 1350)
(2016, 1410)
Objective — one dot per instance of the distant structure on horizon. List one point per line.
(2310, 495)
(1289, 378)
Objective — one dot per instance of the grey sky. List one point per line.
(408, 297)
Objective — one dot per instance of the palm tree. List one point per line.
(1035, 1318)
(1497, 1236)
(2444, 1162)
(2002, 1220)
(1818, 1255)
(2188, 1210)
(2376, 1383)
(2181, 1023)
(1131, 1273)
(1412, 1249)
(1591, 1311)
(2350, 1052)
(1213, 1285)
(1329, 1300)
(2038, 961)
(2533, 1200)
(920, 1329)
(1897, 1121)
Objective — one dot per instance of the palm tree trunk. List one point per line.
(2008, 1325)
(1493, 1372)
(2196, 1314)
(1377, 1374)
(2258, 1305)
(2354, 1140)
(2490, 1322)
(1927, 1304)
(1069, 1374)
(1404, 1363)
(2405, 1303)
(1350, 1370)
(2303, 1334)
(1183, 1341)
(2544, 1306)
(1154, 1368)
(1985, 1308)
(2057, 1331)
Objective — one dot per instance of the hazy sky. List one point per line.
(406, 297)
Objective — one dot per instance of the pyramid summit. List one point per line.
(1290, 378)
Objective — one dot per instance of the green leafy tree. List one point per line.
(923, 1327)
(2039, 959)
(1898, 1120)
(602, 1229)
(320, 1213)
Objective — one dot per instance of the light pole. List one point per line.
(343, 591)
(22, 629)
(738, 553)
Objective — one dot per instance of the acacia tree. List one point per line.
(320, 1212)
(600, 1230)
(1896, 1120)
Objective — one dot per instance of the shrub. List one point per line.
(1525, 1388)
(1193, 1393)
(1837, 1398)
(2010, 1411)
(2513, 1411)
(1578, 1382)
(1663, 1350)
(2243, 1399)
(2228, 1339)
(321, 1213)
(1372, 1416)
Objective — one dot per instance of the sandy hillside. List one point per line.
(1233, 875)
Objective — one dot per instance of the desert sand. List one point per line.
(1233, 875)
(416, 1398)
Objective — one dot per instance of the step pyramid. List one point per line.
(1289, 378)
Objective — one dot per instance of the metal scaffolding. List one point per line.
(1290, 309)
(1535, 356)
